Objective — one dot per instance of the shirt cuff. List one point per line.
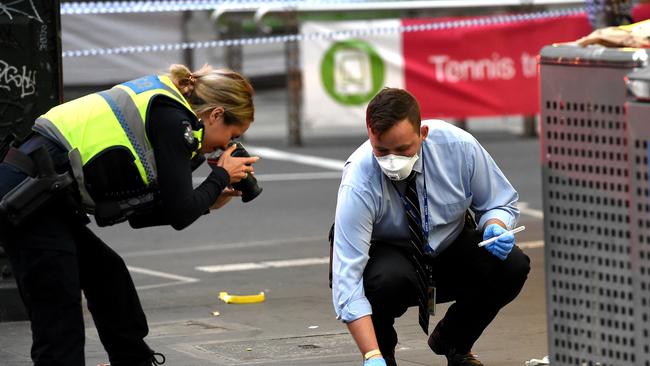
(221, 175)
(500, 215)
(354, 310)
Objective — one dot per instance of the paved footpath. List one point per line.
(278, 243)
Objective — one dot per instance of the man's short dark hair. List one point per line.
(390, 106)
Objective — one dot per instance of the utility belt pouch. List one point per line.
(116, 211)
(41, 184)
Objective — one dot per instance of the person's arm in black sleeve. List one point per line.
(181, 203)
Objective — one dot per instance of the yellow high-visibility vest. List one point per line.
(113, 118)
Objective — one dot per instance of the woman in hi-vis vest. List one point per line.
(124, 154)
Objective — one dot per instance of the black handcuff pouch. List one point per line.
(40, 186)
(111, 212)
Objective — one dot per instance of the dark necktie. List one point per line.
(416, 239)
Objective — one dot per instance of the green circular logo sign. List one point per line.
(352, 72)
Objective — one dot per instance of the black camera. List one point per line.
(248, 186)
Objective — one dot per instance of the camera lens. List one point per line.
(248, 186)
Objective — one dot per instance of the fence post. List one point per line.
(188, 53)
(529, 126)
(234, 54)
(294, 81)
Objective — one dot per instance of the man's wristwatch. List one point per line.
(371, 354)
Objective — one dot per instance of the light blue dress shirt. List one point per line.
(460, 174)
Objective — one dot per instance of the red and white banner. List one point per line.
(481, 70)
(460, 72)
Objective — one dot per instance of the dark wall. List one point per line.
(30, 63)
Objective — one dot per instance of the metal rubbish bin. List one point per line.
(638, 127)
(596, 276)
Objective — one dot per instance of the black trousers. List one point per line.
(54, 256)
(478, 282)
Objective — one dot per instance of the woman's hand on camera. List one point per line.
(226, 195)
(237, 168)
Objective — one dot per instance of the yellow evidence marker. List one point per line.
(241, 299)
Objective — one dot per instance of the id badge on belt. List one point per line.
(431, 294)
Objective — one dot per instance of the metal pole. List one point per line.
(529, 126)
(229, 26)
(188, 54)
(294, 82)
(234, 54)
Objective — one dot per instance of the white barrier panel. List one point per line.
(455, 67)
(99, 31)
(340, 76)
(155, 43)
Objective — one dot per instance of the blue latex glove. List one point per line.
(502, 247)
(377, 361)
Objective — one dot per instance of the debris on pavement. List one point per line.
(536, 362)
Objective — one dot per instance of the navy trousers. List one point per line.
(478, 282)
(54, 257)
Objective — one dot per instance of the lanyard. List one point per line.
(425, 225)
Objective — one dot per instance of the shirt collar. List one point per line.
(418, 163)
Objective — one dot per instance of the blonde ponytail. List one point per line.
(208, 88)
(182, 78)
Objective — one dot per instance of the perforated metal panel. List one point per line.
(593, 297)
(639, 134)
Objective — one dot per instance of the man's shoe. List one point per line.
(454, 357)
(467, 359)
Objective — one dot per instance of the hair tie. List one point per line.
(187, 85)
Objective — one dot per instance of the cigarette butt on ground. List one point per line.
(241, 299)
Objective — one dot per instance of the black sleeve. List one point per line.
(180, 203)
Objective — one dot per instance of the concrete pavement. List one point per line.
(296, 324)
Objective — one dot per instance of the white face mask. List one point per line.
(396, 167)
